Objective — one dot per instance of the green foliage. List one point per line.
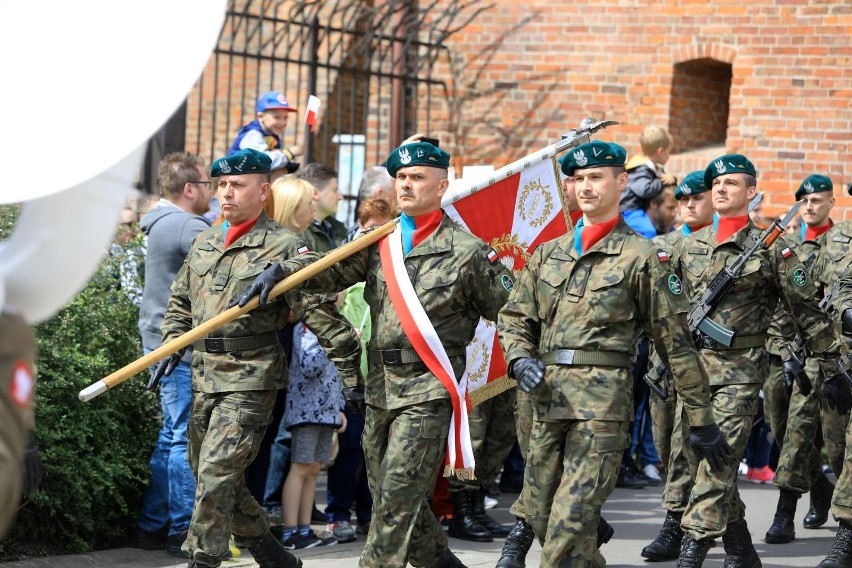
(96, 453)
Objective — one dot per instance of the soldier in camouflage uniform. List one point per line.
(737, 372)
(696, 211)
(17, 422)
(236, 375)
(833, 264)
(408, 409)
(569, 331)
(791, 404)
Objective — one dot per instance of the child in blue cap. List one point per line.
(265, 132)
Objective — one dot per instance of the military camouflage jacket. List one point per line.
(601, 300)
(832, 263)
(456, 284)
(750, 304)
(316, 237)
(782, 328)
(211, 277)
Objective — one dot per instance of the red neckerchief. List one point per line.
(811, 233)
(237, 231)
(728, 226)
(425, 225)
(594, 233)
(698, 227)
(575, 216)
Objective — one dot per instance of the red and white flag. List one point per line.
(312, 112)
(519, 207)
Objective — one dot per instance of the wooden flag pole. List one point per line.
(234, 312)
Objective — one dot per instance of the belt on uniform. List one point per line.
(739, 342)
(585, 357)
(227, 344)
(409, 355)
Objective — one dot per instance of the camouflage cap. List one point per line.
(728, 164)
(416, 154)
(692, 184)
(595, 154)
(814, 183)
(246, 161)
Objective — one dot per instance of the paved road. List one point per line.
(635, 514)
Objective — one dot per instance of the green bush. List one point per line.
(96, 453)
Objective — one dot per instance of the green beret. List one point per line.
(728, 164)
(416, 154)
(246, 161)
(814, 183)
(593, 154)
(692, 184)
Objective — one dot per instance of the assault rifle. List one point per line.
(698, 317)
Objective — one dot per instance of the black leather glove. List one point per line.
(838, 393)
(711, 445)
(528, 371)
(355, 400)
(166, 367)
(263, 285)
(792, 370)
(846, 320)
(31, 469)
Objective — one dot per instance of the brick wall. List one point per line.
(524, 72)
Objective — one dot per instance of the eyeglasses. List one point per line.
(208, 184)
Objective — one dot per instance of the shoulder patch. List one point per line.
(799, 277)
(507, 282)
(675, 285)
(492, 256)
(786, 252)
(21, 386)
(663, 256)
(303, 249)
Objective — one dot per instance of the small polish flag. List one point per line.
(786, 252)
(311, 112)
(663, 256)
(303, 250)
(492, 255)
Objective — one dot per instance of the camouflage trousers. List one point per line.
(404, 451)
(224, 434)
(833, 432)
(841, 504)
(666, 416)
(17, 345)
(794, 420)
(523, 425)
(492, 435)
(715, 501)
(572, 467)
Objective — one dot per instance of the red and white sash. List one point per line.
(420, 331)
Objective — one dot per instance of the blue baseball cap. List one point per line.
(273, 100)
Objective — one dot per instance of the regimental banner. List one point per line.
(513, 216)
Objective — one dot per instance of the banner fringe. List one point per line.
(492, 389)
(464, 474)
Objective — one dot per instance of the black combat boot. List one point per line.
(739, 551)
(269, 553)
(667, 544)
(693, 552)
(517, 544)
(783, 529)
(820, 503)
(840, 555)
(605, 532)
(449, 560)
(489, 524)
(464, 525)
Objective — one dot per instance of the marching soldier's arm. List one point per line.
(336, 335)
(800, 297)
(663, 306)
(518, 324)
(177, 319)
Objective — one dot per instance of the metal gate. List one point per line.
(371, 64)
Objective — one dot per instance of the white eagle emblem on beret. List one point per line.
(809, 188)
(404, 156)
(685, 189)
(223, 165)
(580, 158)
(720, 166)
